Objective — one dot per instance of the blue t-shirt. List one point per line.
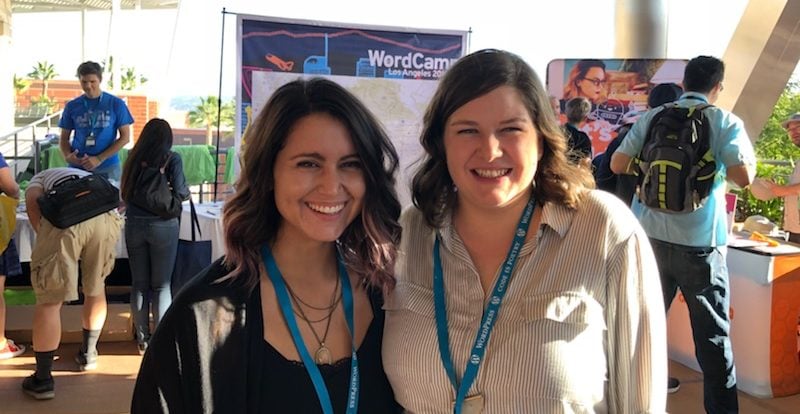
(100, 118)
(3, 163)
(706, 226)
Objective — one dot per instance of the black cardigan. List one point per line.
(205, 357)
(195, 361)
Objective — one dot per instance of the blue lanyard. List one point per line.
(288, 315)
(489, 314)
(93, 113)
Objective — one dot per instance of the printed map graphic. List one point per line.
(398, 103)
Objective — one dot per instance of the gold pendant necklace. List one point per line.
(323, 355)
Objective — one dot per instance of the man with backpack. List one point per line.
(686, 155)
(54, 267)
(624, 186)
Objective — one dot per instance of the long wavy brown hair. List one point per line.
(556, 180)
(152, 148)
(251, 217)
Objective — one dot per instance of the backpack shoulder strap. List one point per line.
(166, 162)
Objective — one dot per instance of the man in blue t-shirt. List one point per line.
(96, 117)
(690, 248)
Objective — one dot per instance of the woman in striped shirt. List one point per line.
(520, 289)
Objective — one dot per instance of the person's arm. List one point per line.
(778, 190)
(66, 149)
(622, 163)
(8, 185)
(735, 151)
(123, 139)
(177, 178)
(32, 206)
(637, 331)
(741, 175)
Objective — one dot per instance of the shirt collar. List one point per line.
(694, 95)
(555, 216)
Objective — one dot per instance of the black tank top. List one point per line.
(288, 388)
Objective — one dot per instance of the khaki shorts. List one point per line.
(55, 255)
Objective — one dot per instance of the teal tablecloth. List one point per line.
(198, 163)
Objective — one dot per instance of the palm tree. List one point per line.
(20, 86)
(130, 79)
(205, 115)
(108, 70)
(44, 72)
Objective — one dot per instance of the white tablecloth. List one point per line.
(209, 216)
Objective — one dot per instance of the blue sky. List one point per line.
(191, 64)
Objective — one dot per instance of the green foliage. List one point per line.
(44, 72)
(773, 144)
(205, 115)
(21, 84)
(129, 79)
(772, 209)
(46, 103)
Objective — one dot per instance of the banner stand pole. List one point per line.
(219, 106)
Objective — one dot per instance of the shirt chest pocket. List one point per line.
(565, 310)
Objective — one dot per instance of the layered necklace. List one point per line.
(323, 354)
(287, 310)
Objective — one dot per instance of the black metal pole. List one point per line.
(219, 106)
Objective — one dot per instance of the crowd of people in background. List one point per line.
(512, 284)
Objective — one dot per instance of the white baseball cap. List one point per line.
(794, 118)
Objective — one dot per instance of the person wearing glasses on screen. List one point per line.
(587, 79)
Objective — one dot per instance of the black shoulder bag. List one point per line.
(153, 192)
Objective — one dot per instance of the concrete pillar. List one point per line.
(113, 45)
(6, 73)
(640, 29)
(759, 61)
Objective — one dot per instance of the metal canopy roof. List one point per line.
(34, 6)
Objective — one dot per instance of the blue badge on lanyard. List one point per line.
(288, 315)
(462, 403)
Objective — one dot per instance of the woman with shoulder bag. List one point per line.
(151, 233)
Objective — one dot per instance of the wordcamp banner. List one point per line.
(394, 70)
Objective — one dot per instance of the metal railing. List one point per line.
(28, 137)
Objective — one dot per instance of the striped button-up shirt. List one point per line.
(581, 328)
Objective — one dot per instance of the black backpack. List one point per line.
(76, 200)
(153, 192)
(676, 165)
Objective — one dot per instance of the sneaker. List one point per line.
(11, 350)
(39, 389)
(673, 385)
(142, 347)
(86, 362)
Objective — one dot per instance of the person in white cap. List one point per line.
(765, 189)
